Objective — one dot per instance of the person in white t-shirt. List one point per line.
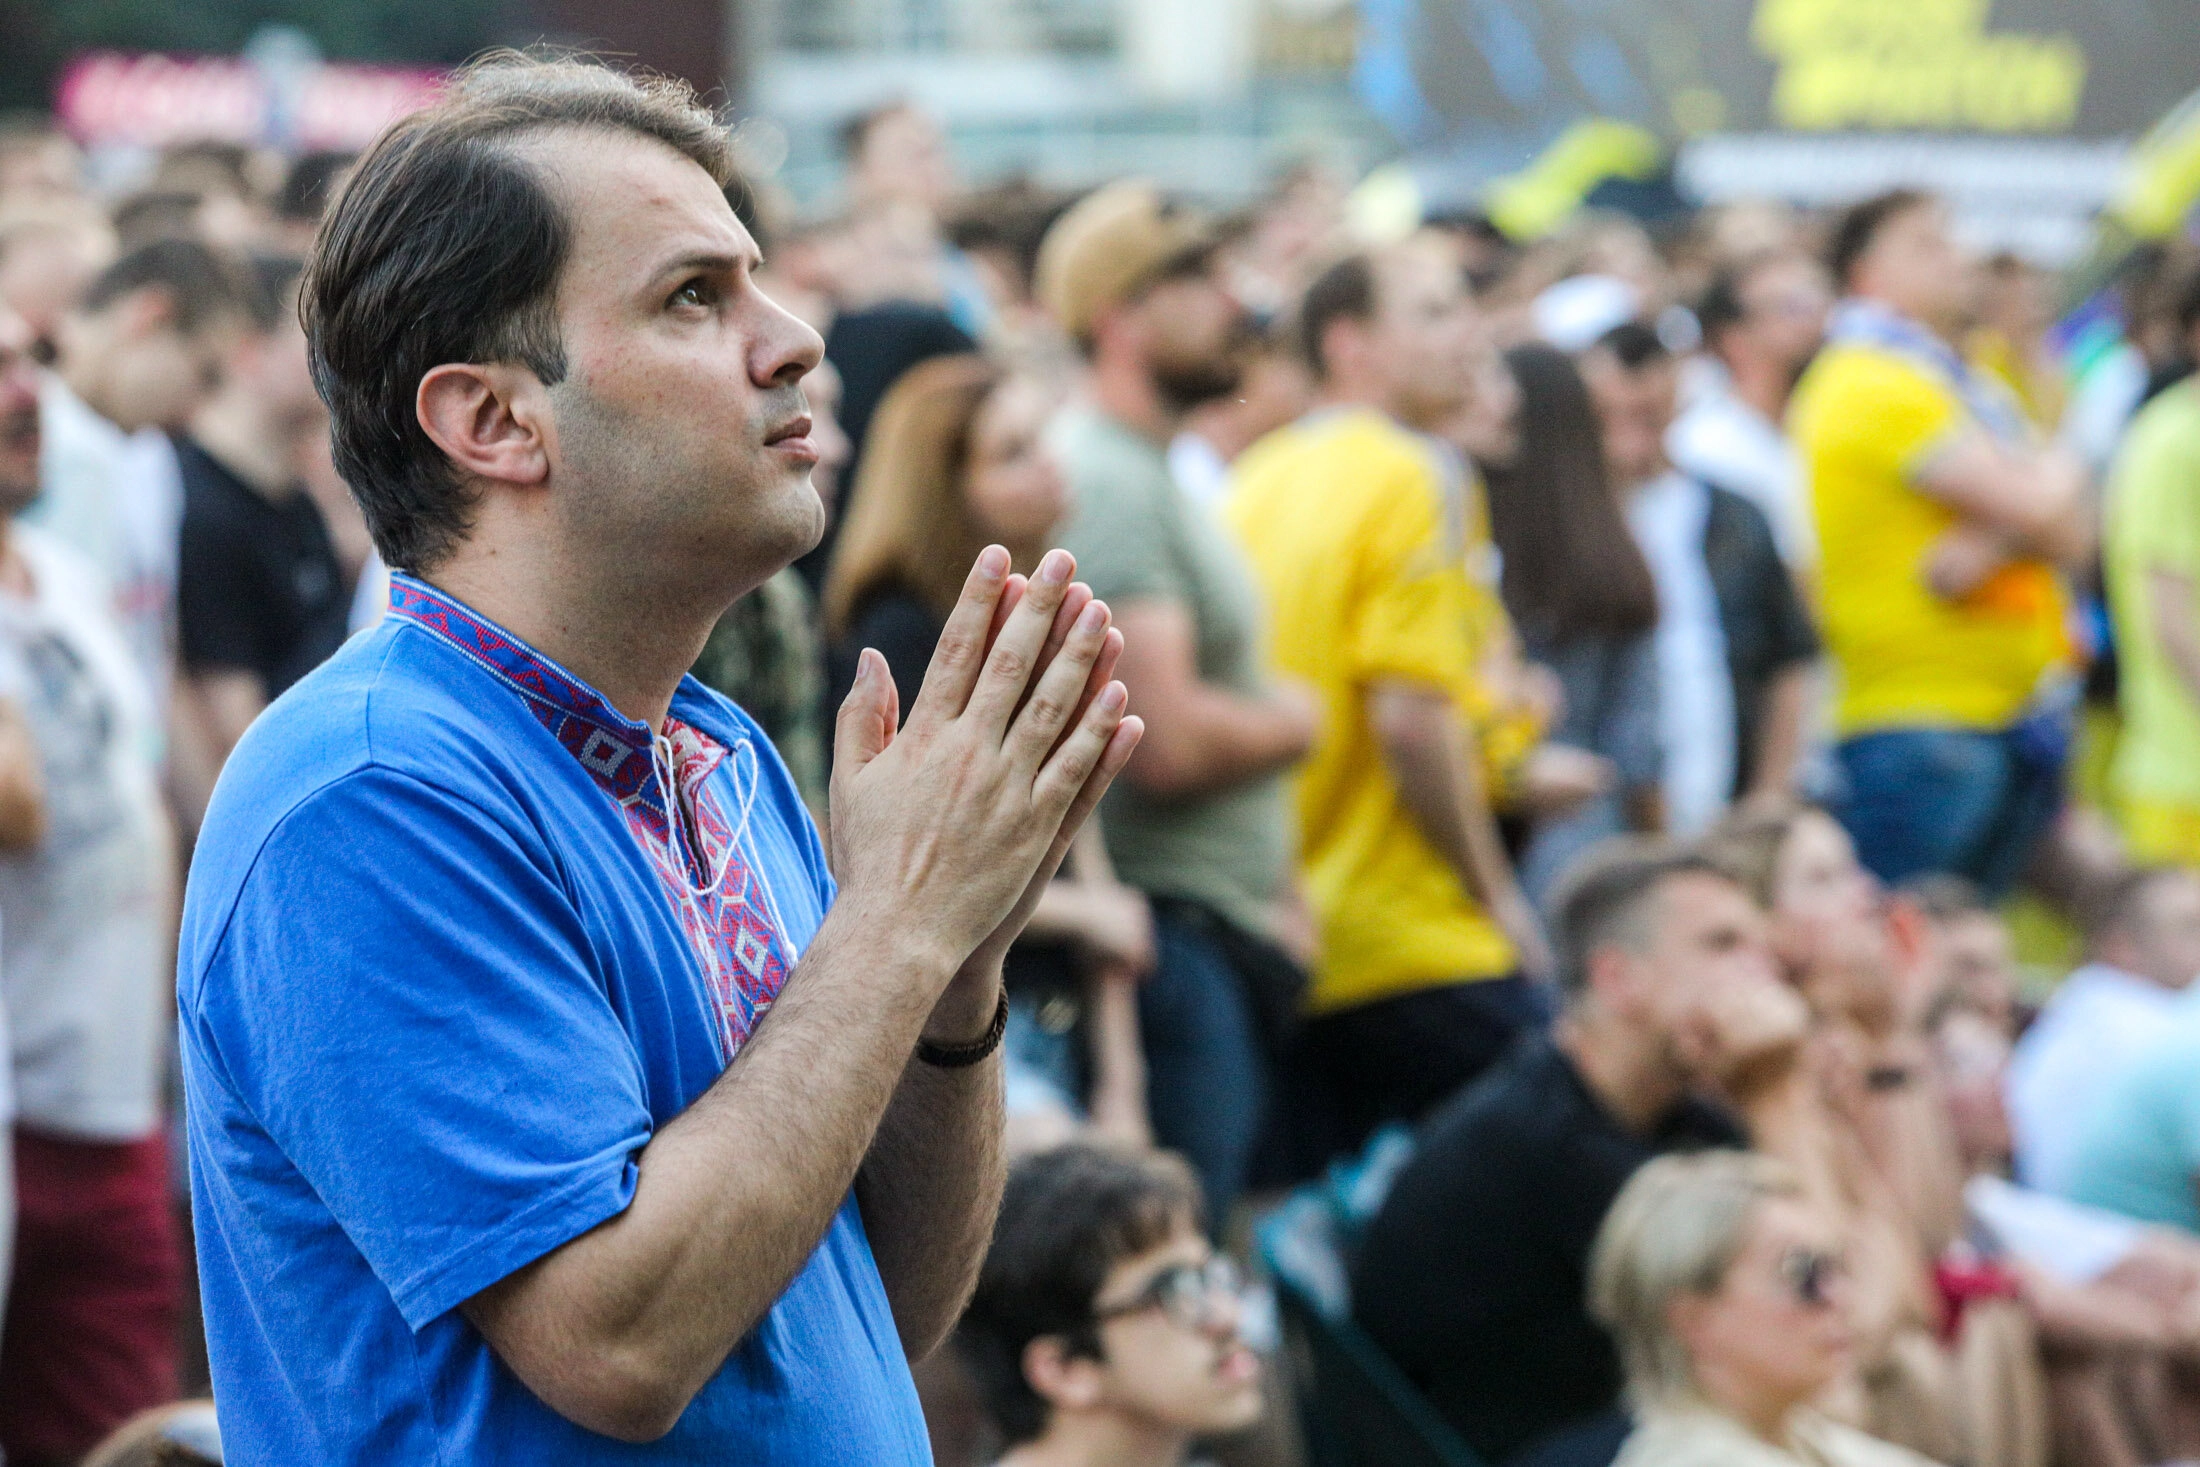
(22, 803)
(2145, 953)
(1762, 319)
(86, 892)
(137, 356)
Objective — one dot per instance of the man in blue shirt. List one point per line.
(546, 1103)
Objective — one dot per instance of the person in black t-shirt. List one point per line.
(262, 599)
(1474, 1274)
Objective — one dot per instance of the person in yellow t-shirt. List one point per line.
(1356, 525)
(1941, 525)
(2152, 559)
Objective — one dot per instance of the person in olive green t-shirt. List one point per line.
(2152, 559)
(1200, 821)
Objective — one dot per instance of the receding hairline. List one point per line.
(535, 149)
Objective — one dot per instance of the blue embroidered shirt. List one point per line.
(449, 960)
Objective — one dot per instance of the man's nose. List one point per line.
(788, 348)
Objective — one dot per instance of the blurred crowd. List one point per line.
(1543, 993)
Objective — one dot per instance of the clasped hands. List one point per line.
(947, 830)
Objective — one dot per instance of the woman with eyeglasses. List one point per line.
(1728, 1295)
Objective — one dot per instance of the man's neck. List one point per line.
(1638, 479)
(86, 390)
(1357, 397)
(235, 433)
(1125, 391)
(1761, 383)
(1100, 1439)
(1916, 318)
(1626, 1072)
(630, 640)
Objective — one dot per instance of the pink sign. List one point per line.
(155, 100)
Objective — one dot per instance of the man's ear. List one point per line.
(1064, 1381)
(1684, 1314)
(492, 419)
(1609, 976)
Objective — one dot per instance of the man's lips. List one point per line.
(792, 438)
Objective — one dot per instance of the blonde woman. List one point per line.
(1728, 1295)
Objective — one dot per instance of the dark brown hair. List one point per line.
(1346, 291)
(445, 246)
(204, 289)
(1571, 565)
(1859, 224)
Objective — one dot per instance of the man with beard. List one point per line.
(89, 1337)
(1367, 539)
(1199, 821)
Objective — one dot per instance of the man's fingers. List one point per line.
(1103, 669)
(1012, 665)
(1059, 698)
(1063, 779)
(1012, 596)
(962, 646)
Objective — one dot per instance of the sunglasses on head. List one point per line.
(1188, 1294)
(1811, 1272)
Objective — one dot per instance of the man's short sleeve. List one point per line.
(1124, 533)
(218, 614)
(1410, 615)
(404, 999)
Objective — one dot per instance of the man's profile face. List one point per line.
(137, 367)
(1195, 334)
(680, 435)
(1427, 333)
(1915, 266)
(1158, 1370)
(1784, 305)
(1706, 970)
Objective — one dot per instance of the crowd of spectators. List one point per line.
(1601, 693)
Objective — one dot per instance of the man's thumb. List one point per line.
(868, 715)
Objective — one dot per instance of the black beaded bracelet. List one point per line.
(963, 1056)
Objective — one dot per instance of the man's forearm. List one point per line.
(1425, 743)
(733, 1197)
(1206, 739)
(932, 1182)
(1782, 717)
(1439, 783)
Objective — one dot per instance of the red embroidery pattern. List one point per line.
(722, 905)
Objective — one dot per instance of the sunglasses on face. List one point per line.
(1190, 1295)
(1810, 1273)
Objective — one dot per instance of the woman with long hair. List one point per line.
(956, 461)
(1580, 594)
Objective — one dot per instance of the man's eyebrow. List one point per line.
(713, 262)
